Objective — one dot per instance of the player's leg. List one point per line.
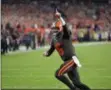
(60, 75)
(74, 76)
(65, 80)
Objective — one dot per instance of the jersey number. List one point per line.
(59, 49)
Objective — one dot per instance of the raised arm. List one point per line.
(63, 26)
(65, 30)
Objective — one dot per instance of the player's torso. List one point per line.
(64, 48)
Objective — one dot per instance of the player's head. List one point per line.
(55, 30)
(57, 24)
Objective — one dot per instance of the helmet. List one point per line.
(56, 29)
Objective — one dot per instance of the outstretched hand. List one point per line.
(57, 14)
(45, 54)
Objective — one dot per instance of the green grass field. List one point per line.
(32, 70)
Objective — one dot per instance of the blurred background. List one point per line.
(27, 22)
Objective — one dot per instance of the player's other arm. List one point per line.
(50, 51)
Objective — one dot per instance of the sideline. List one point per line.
(22, 49)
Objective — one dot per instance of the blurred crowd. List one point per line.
(29, 24)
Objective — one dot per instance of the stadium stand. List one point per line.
(29, 21)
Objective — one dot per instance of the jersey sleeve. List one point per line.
(65, 30)
(51, 49)
(67, 33)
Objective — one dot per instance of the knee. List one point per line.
(57, 74)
